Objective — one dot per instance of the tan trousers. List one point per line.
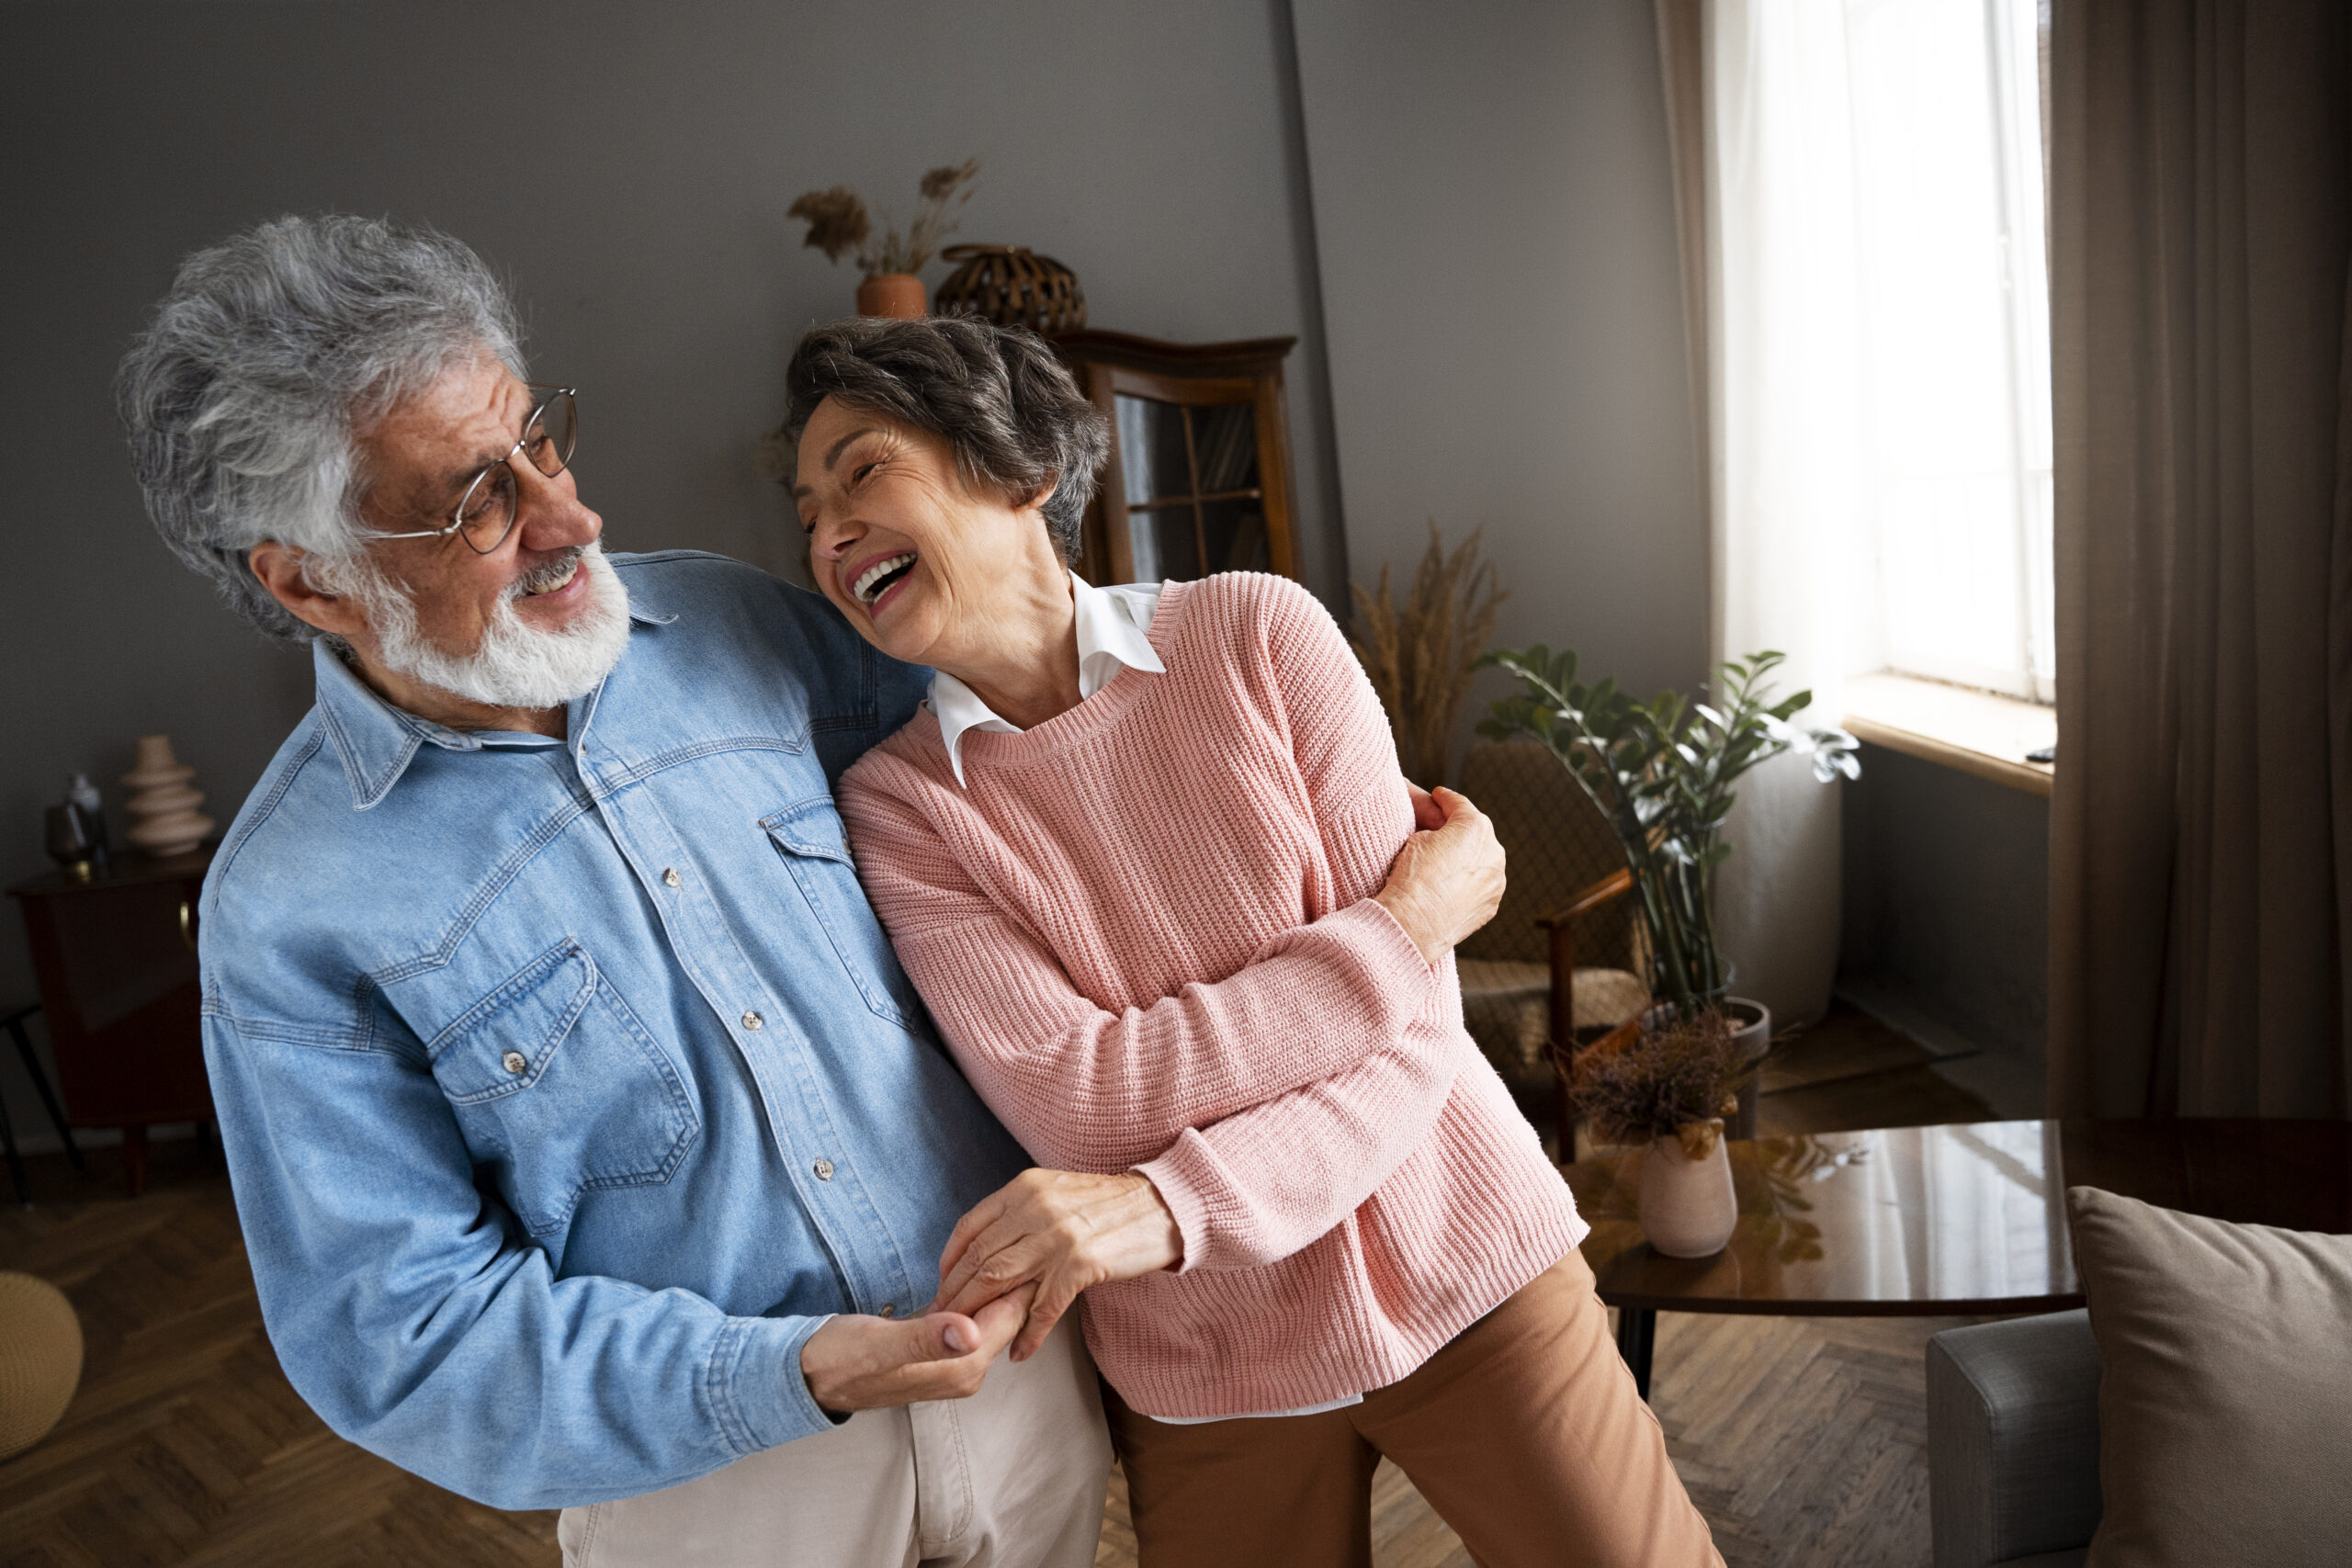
(1013, 1477)
(1524, 1434)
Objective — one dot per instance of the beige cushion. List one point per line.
(40, 1359)
(2225, 1388)
(1508, 1008)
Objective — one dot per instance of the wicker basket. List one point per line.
(1012, 287)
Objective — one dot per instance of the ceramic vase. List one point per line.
(1686, 1205)
(898, 294)
(162, 804)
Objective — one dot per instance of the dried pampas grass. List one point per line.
(1422, 654)
(1647, 1084)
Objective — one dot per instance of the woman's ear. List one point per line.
(280, 569)
(1036, 499)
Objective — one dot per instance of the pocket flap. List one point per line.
(812, 828)
(504, 1041)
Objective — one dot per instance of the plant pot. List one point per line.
(1753, 1038)
(894, 294)
(1686, 1205)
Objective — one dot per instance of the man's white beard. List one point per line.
(517, 665)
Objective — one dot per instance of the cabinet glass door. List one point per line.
(1194, 501)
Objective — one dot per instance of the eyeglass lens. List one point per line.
(486, 514)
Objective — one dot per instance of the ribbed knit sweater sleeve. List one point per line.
(1089, 1088)
(1261, 1184)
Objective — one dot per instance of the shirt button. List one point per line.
(824, 1168)
(890, 1309)
(670, 875)
(752, 1020)
(514, 1062)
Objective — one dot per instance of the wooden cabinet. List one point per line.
(116, 959)
(1199, 480)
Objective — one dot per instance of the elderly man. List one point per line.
(587, 1139)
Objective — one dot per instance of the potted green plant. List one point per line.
(1662, 773)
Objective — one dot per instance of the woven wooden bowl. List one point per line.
(40, 1359)
(1012, 286)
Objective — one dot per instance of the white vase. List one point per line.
(1686, 1205)
(163, 806)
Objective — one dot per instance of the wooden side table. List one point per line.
(1963, 1220)
(116, 961)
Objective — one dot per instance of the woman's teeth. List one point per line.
(875, 578)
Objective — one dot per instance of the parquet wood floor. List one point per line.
(1801, 1440)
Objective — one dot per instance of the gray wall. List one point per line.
(1947, 899)
(1494, 209)
(628, 167)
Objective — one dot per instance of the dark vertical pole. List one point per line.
(1636, 1329)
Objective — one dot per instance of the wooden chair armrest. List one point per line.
(1615, 886)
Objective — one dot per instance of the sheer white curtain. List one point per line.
(1787, 459)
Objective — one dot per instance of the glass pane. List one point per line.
(1225, 438)
(1948, 297)
(1165, 547)
(1151, 449)
(1237, 537)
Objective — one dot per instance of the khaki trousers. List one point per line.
(1524, 1434)
(1013, 1477)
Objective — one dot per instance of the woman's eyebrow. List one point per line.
(834, 454)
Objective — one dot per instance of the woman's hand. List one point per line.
(858, 1361)
(1445, 882)
(1057, 1232)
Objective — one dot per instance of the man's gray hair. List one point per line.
(997, 396)
(272, 354)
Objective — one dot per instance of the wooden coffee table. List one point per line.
(1962, 1220)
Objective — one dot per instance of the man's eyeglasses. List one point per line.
(485, 514)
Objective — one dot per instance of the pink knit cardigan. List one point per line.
(1146, 930)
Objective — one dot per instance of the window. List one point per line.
(1955, 333)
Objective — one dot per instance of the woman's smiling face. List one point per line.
(912, 555)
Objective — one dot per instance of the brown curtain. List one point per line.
(2200, 251)
(1682, 73)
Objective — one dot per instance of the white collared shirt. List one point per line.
(1112, 627)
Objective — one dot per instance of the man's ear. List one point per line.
(279, 569)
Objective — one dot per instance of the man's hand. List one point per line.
(1445, 884)
(862, 1362)
(1054, 1233)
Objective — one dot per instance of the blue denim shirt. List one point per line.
(567, 1086)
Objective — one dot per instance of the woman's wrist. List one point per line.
(1157, 1240)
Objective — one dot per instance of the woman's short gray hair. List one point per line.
(273, 351)
(997, 396)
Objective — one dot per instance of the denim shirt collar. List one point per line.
(375, 742)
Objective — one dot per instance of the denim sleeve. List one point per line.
(407, 1309)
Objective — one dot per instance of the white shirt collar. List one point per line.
(1112, 624)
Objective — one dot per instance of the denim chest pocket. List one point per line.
(561, 1091)
(810, 841)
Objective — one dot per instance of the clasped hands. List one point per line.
(1010, 1270)
(1015, 1263)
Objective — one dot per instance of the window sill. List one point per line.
(1975, 732)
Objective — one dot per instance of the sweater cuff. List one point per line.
(756, 1391)
(1371, 934)
(1176, 1177)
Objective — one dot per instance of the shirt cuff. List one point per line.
(757, 1392)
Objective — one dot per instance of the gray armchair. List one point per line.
(2013, 1442)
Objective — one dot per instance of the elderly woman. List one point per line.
(1136, 851)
